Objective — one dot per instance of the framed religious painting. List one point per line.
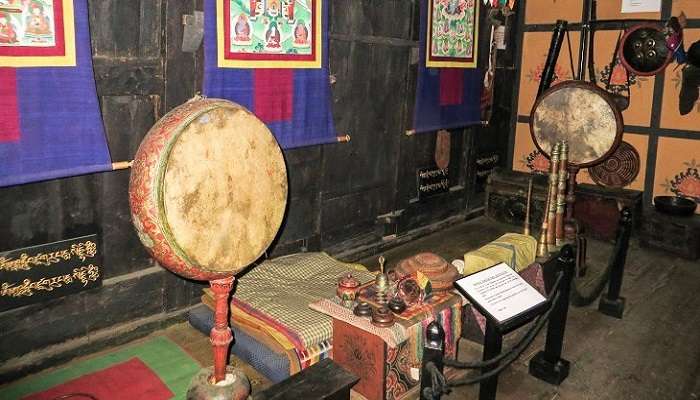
(269, 33)
(453, 33)
(37, 33)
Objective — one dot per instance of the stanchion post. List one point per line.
(493, 344)
(611, 303)
(433, 352)
(548, 365)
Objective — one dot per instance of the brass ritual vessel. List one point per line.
(561, 193)
(552, 233)
(552, 197)
(526, 228)
(381, 284)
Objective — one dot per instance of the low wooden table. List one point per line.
(385, 372)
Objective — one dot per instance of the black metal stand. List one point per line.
(493, 344)
(433, 352)
(548, 365)
(611, 303)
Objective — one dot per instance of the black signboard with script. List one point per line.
(432, 181)
(34, 274)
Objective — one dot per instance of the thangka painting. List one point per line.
(452, 33)
(269, 33)
(37, 33)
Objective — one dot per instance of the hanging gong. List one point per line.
(644, 51)
(582, 114)
(618, 170)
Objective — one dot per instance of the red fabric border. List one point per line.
(9, 118)
(451, 86)
(58, 50)
(266, 57)
(274, 94)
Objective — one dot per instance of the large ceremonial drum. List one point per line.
(208, 189)
(582, 114)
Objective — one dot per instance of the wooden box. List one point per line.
(597, 208)
(676, 235)
(388, 373)
(506, 197)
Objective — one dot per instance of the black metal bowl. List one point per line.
(673, 205)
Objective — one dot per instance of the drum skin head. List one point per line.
(583, 115)
(208, 189)
(224, 190)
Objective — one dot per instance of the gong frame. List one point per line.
(588, 86)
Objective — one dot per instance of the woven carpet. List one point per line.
(155, 369)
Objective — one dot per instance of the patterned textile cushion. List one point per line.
(281, 290)
(514, 249)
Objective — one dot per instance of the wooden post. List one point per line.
(548, 365)
(221, 336)
(611, 303)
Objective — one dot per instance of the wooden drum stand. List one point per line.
(208, 192)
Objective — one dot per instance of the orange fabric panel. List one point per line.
(677, 165)
(549, 11)
(535, 49)
(612, 9)
(691, 8)
(642, 88)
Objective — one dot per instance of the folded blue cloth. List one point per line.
(274, 366)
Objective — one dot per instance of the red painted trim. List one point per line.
(58, 50)
(9, 118)
(228, 55)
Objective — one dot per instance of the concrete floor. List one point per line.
(653, 353)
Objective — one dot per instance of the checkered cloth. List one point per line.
(280, 290)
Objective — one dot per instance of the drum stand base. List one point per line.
(234, 387)
(222, 381)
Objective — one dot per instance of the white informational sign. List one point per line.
(500, 291)
(635, 6)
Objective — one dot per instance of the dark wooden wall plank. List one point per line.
(180, 67)
(126, 28)
(337, 192)
(129, 40)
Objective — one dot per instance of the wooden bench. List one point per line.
(325, 380)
